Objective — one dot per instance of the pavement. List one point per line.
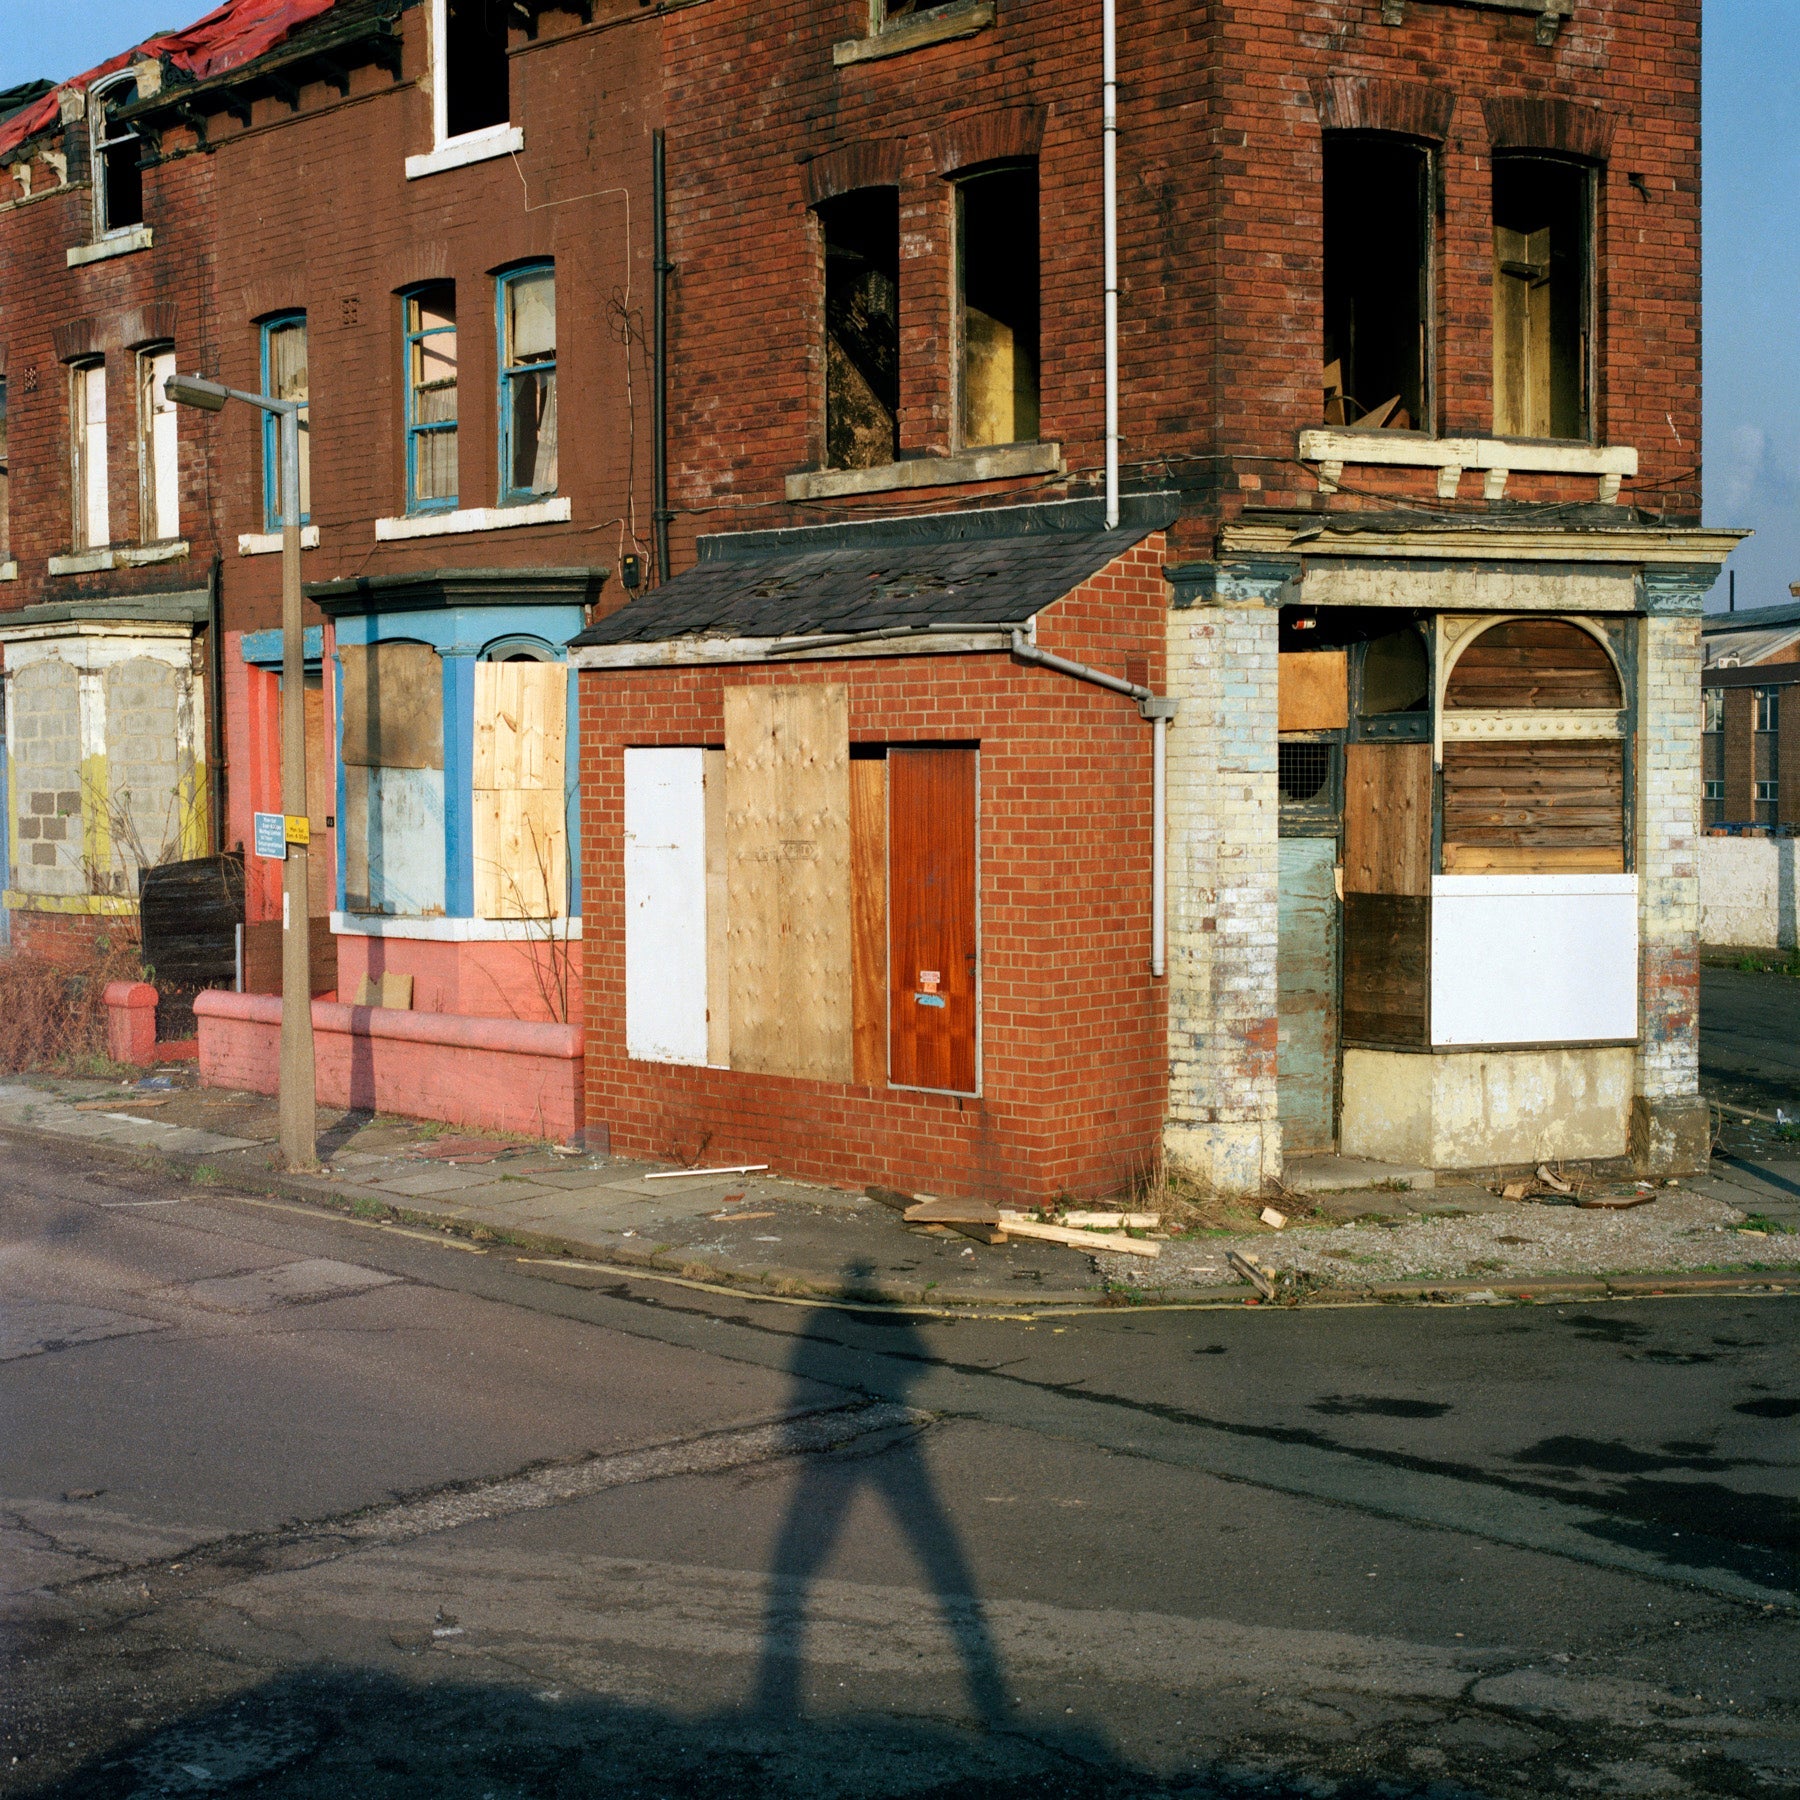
(301, 1505)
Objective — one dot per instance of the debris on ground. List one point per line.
(1554, 1183)
(1277, 1221)
(1015, 1224)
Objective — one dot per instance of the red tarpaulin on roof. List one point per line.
(228, 37)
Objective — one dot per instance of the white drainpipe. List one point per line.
(1109, 140)
(1159, 709)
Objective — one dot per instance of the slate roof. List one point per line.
(793, 591)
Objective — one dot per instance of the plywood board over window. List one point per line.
(520, 824)
(1313, 692)
(393, 756)
(666, 905)
(787, 833)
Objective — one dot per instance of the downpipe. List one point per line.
(1109, 149)
(1158, 710)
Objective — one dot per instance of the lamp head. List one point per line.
(195, 390)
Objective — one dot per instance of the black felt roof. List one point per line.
(795, 591)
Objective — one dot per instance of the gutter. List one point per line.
(1158, 710)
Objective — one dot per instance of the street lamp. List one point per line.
(299, 1132)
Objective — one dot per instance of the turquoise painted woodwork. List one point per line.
(1307, 932)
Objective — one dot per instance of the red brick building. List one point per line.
(1408, 302)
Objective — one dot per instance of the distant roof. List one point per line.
(1751, 618)
(12, 98)
(996, 567)
(227, 37)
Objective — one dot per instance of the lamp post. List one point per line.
(299, 1131)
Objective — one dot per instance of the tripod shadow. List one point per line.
(894, 1473)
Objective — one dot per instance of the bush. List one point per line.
(52, 1013)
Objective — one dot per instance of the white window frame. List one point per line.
(449, 152)
(91, 501)
(159, 455)
(104, 229)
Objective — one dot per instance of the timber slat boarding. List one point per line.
(868, 918)
(1533, 663)
(1387, 960)
(1387, 819)
(787, 833)
(1534, 796)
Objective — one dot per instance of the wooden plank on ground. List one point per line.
(787, 834)
(1017, 1225)
(868, 919)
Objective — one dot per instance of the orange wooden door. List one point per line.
(931, 919)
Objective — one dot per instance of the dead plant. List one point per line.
(53, 1011)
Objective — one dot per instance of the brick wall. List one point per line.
(1073, 1025)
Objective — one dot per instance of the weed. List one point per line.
(1395, 1184)
(53, 1013)
(1756, 965)
(1787, 1132)
(368, 1209)
(205, 1175)
(1485, 1264)
(1762, 1222)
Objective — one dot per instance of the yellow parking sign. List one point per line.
(299, 828)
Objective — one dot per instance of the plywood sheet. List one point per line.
(393, 706)
(1313, 690)
(521, 721)
(932, 948)
(787, 837)
(1387, 819)
(868, 918)
(520, 828)
(665, 905)
(1541, 959)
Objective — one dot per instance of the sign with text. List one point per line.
(271, 836)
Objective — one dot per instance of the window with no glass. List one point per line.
(118, 181)
(431, 484)
(87, 455)
(528, 383)
(284, 376)
(1377, 282)
(861, 233)
(1542, 306)
(159, 473)
(997, 291)
(473, 67)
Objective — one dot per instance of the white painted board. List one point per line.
(665, 905)
(1533, 959)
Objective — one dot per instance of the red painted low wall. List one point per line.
(130, 1021)
(503, 1074)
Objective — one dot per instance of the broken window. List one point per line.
(118, 181)
(473, 66)
(1768, 709)
(997, 295)
(1377, 282)
(159, 471)
(431, 479)
(1713, 717)
(861, 233)
(284, 376)
(528, 383)
(87, 458)
(393, 763)
(1542, 307)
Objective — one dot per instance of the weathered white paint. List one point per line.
(1336, 578)
(665, 905)
(1533, 959)
(268, 543)
(474, 518)
(1750, 892)
(394, 839)
(1472, 1109)
(161, 498)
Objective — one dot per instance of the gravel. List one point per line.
(1677, 1230)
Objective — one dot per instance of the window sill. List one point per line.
(472, 147)
(1332, 448)
(268, 543)
(940, 27)
(454, 931)
(472, 518)
(139, 237)
(1004, 462)
(125, 556)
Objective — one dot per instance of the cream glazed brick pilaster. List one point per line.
(1670, 1131)
(1222, 827)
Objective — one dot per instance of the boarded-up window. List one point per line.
(1542, 284)
(520, 824)
(787, 840)
(666, 911)
(393, 757)
(931, 918)
(1387, 884)
(1534, 756)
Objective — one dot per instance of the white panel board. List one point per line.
(1533, 959)
(665, 905)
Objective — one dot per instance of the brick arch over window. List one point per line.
(1363, 103)
(1005, 136)
(1560, 125)
(420, 263)
(1534, 756)
(850, 167)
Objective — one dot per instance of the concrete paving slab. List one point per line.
(1334, 1174)
(432, 1181)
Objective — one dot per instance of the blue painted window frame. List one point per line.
(411, 337)
(510, 372)
(271, 424)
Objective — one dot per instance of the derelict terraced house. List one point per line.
(886, 874)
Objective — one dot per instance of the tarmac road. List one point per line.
(290, 1507)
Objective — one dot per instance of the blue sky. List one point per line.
(1752, 192)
